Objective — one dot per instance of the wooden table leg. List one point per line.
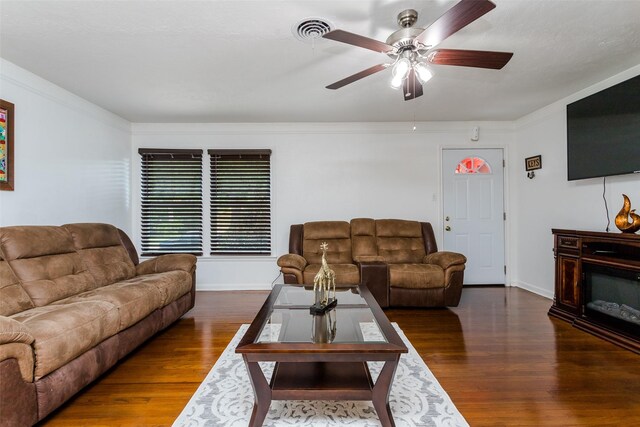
(262, 393)
(381, 391)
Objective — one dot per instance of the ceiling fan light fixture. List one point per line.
(411, 47)
(396, 82)
(423, 72)
(401, 68)
(400, 71)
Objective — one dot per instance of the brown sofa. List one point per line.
(73, 301)
(398, 260)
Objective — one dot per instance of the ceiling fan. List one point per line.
(412, 49)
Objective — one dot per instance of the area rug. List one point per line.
(225, 398)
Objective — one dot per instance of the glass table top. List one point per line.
(299, 295)
(352, 321)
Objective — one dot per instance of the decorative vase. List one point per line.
(627, 220)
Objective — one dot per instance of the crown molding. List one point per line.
(560, 105)
(17, 76)
(314, 128)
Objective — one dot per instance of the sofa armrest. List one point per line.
(445, 259)
(15, 343)
(292, 261)
(12, 331)
(292, 266)
(169, 262)
(375, 276)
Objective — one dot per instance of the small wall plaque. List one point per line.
(533, 163)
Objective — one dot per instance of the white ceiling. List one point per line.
(238, 61)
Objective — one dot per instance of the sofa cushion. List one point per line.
(363, 237)
(416, 276)
(337, 234)
(13, 297)
(346, 274)
(64, 331)
(102, 252)
(133, 299)
(400, 241)
(171, 284)
(44, 259)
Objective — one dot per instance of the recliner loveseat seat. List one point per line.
(397, 259)
(73, 301)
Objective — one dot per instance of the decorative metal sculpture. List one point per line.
(323, 284)
(622, 219)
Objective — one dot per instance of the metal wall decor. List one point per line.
(627, 220)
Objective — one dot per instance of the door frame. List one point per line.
(506, 202)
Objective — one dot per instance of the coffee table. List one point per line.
(321, 357)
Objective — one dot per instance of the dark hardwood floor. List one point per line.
(502, 360)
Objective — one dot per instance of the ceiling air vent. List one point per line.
(311, 29)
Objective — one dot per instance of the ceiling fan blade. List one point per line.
(357, 76)
(411, 88)
(357, 40)
(470, 58)
(453, 20)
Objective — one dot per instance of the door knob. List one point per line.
(447, 228)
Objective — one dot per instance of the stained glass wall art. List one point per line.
(6, 145)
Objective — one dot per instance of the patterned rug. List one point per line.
(225, 398)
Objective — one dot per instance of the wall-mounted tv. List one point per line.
(603, 132)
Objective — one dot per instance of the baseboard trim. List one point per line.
(233, 287)
(533, 288)
(266, 287)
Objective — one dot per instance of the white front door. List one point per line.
(473, 202)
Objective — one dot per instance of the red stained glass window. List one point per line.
(473, 165)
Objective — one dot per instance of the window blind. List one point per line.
(171, 191)
(240, 202)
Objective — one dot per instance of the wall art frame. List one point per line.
(7, 151)
(533, 163)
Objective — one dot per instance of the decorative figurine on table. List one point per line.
(622, 219)
(323, 283)
(323, 327)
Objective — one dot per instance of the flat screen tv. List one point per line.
(603, 132)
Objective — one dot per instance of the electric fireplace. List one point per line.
(612, 297)
(598, 284)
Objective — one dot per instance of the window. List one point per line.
(474, 165)
(171, 208)
(240, 202)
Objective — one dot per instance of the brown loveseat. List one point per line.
(398, 260)
(73, 301)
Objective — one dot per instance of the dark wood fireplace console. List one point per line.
(578, 254)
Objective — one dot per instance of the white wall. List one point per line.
(72, 158)
(549, 200)
(330, 171)
(74, 161)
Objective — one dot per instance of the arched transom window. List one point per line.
(474, 165)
